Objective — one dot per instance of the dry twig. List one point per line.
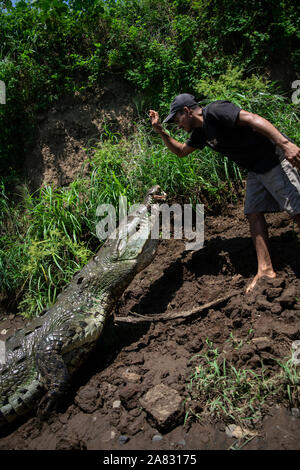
(137, 318)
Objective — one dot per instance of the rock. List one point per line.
(181, 443)
(117, 404)
(236, 431)
(123, 439)
(295, 412)
(163, 406)
(157, 437)
(230, 429)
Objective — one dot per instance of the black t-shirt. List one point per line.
(248, 148)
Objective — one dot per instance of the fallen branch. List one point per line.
(137, 318)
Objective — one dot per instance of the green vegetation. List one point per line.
(223, 392)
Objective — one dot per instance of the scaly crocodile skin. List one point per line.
(42, 357)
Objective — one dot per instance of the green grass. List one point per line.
(219, 391)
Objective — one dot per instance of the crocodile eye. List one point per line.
(80, 280)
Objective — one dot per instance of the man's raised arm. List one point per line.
(178, 148)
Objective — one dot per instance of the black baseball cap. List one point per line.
(185, 99)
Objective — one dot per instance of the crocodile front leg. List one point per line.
(53, 372)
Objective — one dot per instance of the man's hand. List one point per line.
(292, 153)
(155, 121)
(179, 149)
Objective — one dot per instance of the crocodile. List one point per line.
(42, 357)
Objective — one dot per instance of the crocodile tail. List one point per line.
(21, 402)
(19, 388)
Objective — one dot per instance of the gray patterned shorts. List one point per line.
(274, 191)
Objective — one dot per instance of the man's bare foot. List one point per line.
(258, 276)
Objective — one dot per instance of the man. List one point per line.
(270, 157)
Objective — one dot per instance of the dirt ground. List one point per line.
(106, 412)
